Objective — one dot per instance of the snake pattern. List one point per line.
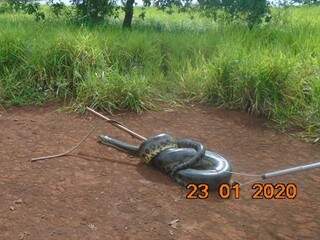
(154, 145)
(185, 160)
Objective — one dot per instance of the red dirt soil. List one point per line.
(100, 193)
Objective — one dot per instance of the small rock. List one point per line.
(12, 208)
(145, 182)
(19, 201)
(23, 235)
(92, 226)
(174, 223)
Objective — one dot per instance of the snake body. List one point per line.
(184, 160)
(154, 145)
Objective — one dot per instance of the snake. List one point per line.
(185, 160)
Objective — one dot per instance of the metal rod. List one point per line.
(117, 124)
(291, 170)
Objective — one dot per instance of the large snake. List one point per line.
(184, 159)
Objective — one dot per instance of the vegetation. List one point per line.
(94, 11)
(272, 70)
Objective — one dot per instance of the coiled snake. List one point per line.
(185, 160)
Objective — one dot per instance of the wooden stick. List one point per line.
(118, 125)
(64, 153)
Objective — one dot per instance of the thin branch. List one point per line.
(118, 125)
(67, 152)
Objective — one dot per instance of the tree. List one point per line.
(128, 7)
(31, 7)
(56, 7)
(94, 10)
(251, 11)
(161, 4)
(128, 13)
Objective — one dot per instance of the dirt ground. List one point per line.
(100, 193)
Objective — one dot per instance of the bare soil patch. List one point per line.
(100, 193)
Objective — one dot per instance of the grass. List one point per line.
(272, 70)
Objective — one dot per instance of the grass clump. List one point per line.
(109, 90)
(271, 70)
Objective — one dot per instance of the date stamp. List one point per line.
(233, 191)
(274, 191)
(197, 191)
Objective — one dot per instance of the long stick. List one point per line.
(117, 124)
(64, 153)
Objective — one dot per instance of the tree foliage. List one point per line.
(31, 7)
(94, 10)
(251, 11)
(56, 7)
(310, 2)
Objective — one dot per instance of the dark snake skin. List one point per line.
(187, 143)
(154, 145)
(185, 160)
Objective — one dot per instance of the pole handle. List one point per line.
(117, 124)
(291, 170)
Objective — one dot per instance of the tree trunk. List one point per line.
(128, 9)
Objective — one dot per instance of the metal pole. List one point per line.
(118, 125)
(291, 170)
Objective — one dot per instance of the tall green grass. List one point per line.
(272, 70)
